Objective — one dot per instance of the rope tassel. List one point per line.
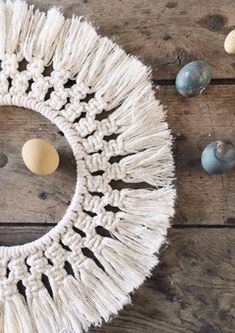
(82, 271)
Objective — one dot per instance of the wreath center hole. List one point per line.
(31, 204)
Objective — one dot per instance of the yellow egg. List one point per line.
(229, 43)
(40, 157)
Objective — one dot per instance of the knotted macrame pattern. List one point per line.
(82, 271)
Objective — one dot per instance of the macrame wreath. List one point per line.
(82, 271)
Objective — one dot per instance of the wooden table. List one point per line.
(193, 288)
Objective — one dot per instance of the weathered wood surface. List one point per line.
(191, 291)
(26, 197)
(202, 199)
(165, 34)
(20, 234)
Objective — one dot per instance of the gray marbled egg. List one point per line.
(218, 157)
(193, 78)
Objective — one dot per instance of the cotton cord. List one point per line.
(82, 271)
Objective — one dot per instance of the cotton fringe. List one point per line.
(120, 84)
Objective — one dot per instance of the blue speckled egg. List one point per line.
(218, 157)
(193, 78)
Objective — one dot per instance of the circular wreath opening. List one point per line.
(84, 269)
(26, 197)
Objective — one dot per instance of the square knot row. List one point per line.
(95, 105)
(97, 183)
(18, 268)
(10, 64)
(77, 92)
(36, 67)
(94, 243)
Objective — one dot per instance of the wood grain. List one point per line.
(164, 34)
(202, 199)
(190, 291)
(21, 234)
(26, 197)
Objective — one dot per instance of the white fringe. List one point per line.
(121, 84)
(45, 314)
(77, 42)
(153, 166)
(143, 224)
(68, 309)
(120, 79)
(93, 69)
(107, 298)
(16, 316)
(136, 108)
(113, 60)
(48, 36)
(156, 202)
(130, 265)
(83, 313)
(1, 317)
(35, 25)
(17, 20)
(3, 28)
(43, 33)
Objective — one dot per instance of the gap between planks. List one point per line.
(175, 226)
(223, 81)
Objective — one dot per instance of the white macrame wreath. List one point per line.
(83, 270)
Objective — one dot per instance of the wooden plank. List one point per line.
(202, 199)
(192, 289)
(164, 34)
(18, 235)
(26, 197)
